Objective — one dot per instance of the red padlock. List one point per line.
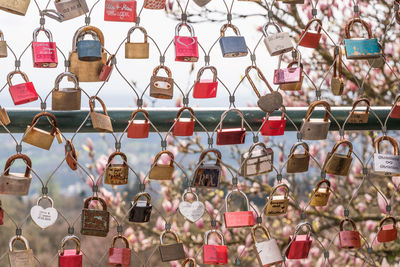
(215, 254)
(387, 232)
(139, 128)
(119, 256)
(274, 125)
(395, 114)
(21, 93)
(70, 257)
(44, 53)
(237, 219)
(311, 39)
(231, 136)
(349, 239)
(120, 10)
(205, 88)
(186, 47)
(299, 245)
(106, 70)
(184, 126)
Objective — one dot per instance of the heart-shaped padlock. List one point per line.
(192, 211)
(44, 217)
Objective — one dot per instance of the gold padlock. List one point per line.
(86, 71)
(162, 171)
(339, 164)
(4, 119)
(337, 81)
(67, 98)
(298, 162)
(20, 258)
(100, 122)
(137, 50)
(16, 184)
(3, 46)
(359, 116)
(17, 7)
(162, 87)
(320, 196)
(117, 174)
(38, 137)
(277, 204)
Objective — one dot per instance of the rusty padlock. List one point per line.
(215, 254)
(309, 38)
(139, 128)
(16, 184)
(66, 98)
(359, 116)
(257, 161)
(205, 88)
(231, 136)
(100, 122)
(120, 257)
(3, 46)
(208, 175)
(316, 129)
(21, 93)
(339, 164)
(38, 137)
(44, 53)
(162, 87)
(70, 257)
(171, 252)
(320, 196)
(138, 50)
(95, 222)
(349, 239)
(190, 261)
(140, 211)
(162, 171)
(184, 126)
(298, 162)
(238, 219)
(20, 258)
(71, 157)
(117, 174)
(387, 232)
(277, 204)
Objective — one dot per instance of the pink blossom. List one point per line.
(339, 211)
(200, 224)
(381, 202)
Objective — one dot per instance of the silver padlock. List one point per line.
(316, 128)
(386, 164)
(268, 252)
(278, 43)
(70, 9)
(20, 258)
(3, 46)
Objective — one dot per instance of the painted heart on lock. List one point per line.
(44, 217)
(186, 40)
(192, 211)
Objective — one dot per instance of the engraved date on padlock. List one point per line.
(162, 85)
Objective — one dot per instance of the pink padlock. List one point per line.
(288, 75)
(44, 53)
(186, 47)
(70, 257)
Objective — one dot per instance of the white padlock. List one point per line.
(387, 164)
(277, 43)
(268, 252)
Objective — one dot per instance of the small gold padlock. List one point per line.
(66, 98)
(4, 119)
(277, 204)
(337, 81)
(320, 196)
(38, 137)
(137, 50)
(100, 122)
(298, 162)
(162, 171)
(359, 116)
(117, 174)
(339, 164)
(3, 46)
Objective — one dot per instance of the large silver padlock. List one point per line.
(70, 9)
(316, 128)
(3, 46)
(268, 252)
(278, 43)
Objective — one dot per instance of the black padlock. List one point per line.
(141, 209)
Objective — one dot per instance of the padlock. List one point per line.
(89, 50)
(4, 119)
(119, 256)
(191, 211)
(117, 10)
(339, 164)
(269, 102)
(274, 125)
(316, 129)
(171, 252)
(162, 87)
(71, 156)
(154, 4)
(100, 122)
(20, 258)
(38, 137)
(16, 184)
(201, 3)
(95, 222)
(186, 47)
(205, 88)
(44, 217)
(320, 196)
(359, 116)
(257, 161)
(215, 254)
(140, 210)
(278, 43)
(291, 78)
(298, 162)
(70, 257)
(231, 136)
(3, 46)
(309, 38)
(70, 9)
(267, 252)
(136, 50)
(24, 92)
(238, 219)
(277, 204)
(386, 164)
(15, 7)
(387, 232)
(349, 239)
(337, 81)
(162, 171)
(184, 126)
(361, 48)
(139, 128)
(395, 113)
(232, 46)
(107, 69)
(44, 53)
(299, 245)
(87, 71)
(66, 98)
(190, 261)
(208, 175)
(117, 174)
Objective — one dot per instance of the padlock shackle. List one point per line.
(213, 70)
(73, 238)
(347, 220)
(142, 194)
(18, 238)
(214, 231)
(171, 156)
(253, 146)
(47, 32)
(314, 105)
(45, 197)
(363, 23)
(191, 111)
(229, 25)
(275, 189)
(171, 233)
(296, 60)
(337, 67)
(48, 115)
(266, 25)
(87, 30)
(261, 76)
(189, 260)
(109, 60)
(11, 75)
(11, 160)
(388, 218)
(118, 153)
(261, 227)
(139, 110)
(93, 98)
(223, 115)
(300, 226)
(317, 21)
(295, 146)
(68, 74)
(90, 199)
(391, 140)
(189, 192)
(241, 193)
(188, 26)
(215, 151)
(338, 144)
(357, 102)
(321, 182)
(131, 30)
(167, 70)
(123, 238)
